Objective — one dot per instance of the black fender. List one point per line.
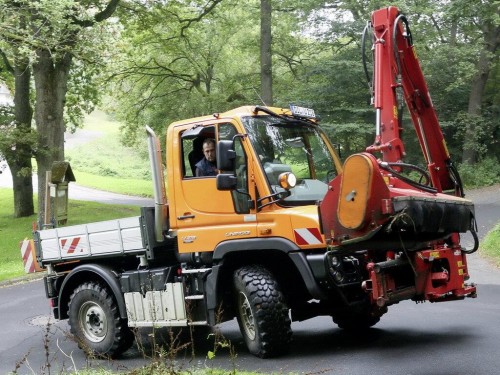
(284, 245)
(88, 272)
(275, 243)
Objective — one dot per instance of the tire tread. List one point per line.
(272, 319)
(123, 337)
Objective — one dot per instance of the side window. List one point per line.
(241, 195)
(192, 147)
(226, 132)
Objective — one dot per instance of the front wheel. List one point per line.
(262, 312)
(95, 321)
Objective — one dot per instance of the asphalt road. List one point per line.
(446, 338)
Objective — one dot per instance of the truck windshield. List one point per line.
(288, 146)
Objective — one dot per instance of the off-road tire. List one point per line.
(95, 321)
(262, 312)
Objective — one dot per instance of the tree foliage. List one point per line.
(185, 71)
(166, 72)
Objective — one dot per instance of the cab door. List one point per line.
(206, 216)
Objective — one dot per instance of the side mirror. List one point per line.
(226, 181)
(225, 155)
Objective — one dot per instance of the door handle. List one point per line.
(184, 217)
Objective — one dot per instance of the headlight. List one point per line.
(287, 180)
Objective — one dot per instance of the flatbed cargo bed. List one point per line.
(99, 239)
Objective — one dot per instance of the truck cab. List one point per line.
(245, 200)
(260, 210)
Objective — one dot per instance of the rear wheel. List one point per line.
(262, 312)
(95, 321)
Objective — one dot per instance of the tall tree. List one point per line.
(51, 72)
(168, 71)
(20, 159)
(487, 19)
(179, 60)
(16, 141)
(57, 33)
(266, 64)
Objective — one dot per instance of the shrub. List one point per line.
(484, 173)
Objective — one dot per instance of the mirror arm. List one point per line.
(281, 195)
(251, 202)
(239, 135)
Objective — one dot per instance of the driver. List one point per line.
(207, 166)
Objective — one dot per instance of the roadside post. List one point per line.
(61, 175)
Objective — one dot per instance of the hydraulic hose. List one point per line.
(455, 177)
(400, 18)
(367, 28)
(388, 167)
(476, 243)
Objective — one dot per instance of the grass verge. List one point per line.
(13, 230)
(128, 186)
(491, 245)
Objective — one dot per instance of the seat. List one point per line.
(196, 154)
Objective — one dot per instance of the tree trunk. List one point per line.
(266, 65)
(20, 160)
(491, 41)
(51, 80)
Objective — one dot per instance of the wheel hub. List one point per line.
(246, 315)
(93, 321)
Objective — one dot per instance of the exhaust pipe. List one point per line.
(161, 205)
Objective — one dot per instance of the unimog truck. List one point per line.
(284, 232)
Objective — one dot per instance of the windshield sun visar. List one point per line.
(292, 147)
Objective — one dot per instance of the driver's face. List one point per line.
(209, 152)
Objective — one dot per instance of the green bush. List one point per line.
(106, 171)
(484, 173)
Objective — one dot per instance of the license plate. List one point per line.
(302, 111)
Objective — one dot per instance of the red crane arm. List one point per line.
(396, 68)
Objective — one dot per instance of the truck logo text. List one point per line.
(235, 234)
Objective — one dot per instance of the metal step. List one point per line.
(196, 296)
(198, 323)
(196, 270)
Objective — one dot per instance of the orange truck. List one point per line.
(284, 231)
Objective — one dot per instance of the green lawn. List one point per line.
(13, 230)
(128, 186)
(104, 163)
